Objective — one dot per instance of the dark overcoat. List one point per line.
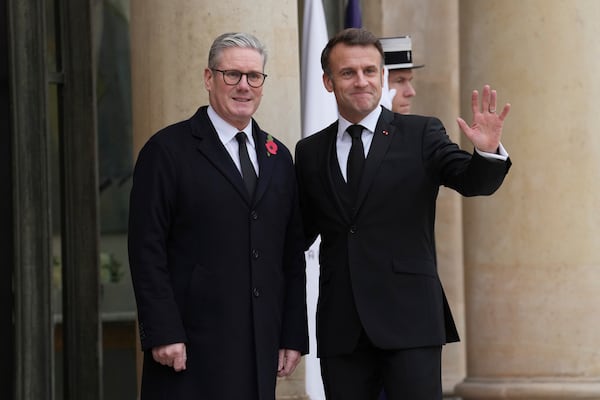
(377, 257)
(212, 267)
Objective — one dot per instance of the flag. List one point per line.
(318, 111)
(353, 15)
(318, 105)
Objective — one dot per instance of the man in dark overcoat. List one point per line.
(216, 246)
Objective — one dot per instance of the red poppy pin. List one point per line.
(271, 146)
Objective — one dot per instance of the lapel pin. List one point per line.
(386, 133)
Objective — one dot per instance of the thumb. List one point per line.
(462, 125)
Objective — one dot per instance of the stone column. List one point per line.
(435, 44)
(169, 44)
(531, 250)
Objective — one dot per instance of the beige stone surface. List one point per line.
(170, 43)
(292, 387)
(531, 258)
(532, 254)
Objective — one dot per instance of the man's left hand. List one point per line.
(486, 129)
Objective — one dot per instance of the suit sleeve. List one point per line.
(294, 334)
(469, 174)
(309, 227)
(152, 202)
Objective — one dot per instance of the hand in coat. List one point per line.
(486, 129)
(171, 355)
(288, 360)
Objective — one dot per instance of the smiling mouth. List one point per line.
(362, 94)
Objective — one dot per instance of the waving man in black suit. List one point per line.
(368, 185)
(216, 246)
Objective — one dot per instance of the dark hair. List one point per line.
(350, 37)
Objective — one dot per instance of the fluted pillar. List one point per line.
(169, 45)
(531, 250)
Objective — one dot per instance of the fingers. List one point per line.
(179, 362)
(489, 98)
(291, 359)
(489, 102)
(492, 105)
(486, 99)
(475, 102)
(171, 355)
(505, 111)
(462, 124)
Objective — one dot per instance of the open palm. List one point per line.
(485, 130)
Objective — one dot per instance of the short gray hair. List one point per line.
(235, 40)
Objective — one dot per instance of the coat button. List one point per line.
(255, 254)
(254, 215)
(255, 292)
(353, 229)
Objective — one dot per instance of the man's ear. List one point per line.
(208, 76)
(327, 82)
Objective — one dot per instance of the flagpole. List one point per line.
(318, 111)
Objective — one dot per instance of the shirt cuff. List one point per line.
(501, 155)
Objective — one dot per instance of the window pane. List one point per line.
(115, 162)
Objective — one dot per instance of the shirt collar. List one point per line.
(369, 122)
(225, 130)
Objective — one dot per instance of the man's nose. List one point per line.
(361, 79)
(410, 90)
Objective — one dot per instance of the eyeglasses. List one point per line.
(232, 77)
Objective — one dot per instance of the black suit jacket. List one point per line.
(212, 267)
(378, 262)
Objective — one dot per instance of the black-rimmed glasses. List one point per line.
(232, 77)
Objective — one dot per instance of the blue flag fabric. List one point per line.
(353, 15)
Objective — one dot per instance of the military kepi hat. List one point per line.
(398, 52)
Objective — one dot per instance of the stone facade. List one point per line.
(521, 267)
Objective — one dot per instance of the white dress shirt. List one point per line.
(227, 132)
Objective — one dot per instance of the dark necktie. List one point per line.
(356, 158)
(248, 172)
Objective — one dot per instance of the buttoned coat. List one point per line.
(212, 267)
(377, 257)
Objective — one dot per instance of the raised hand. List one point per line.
(486, 129)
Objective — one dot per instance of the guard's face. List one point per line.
(356, 80)
(237, 103)
(401, 80)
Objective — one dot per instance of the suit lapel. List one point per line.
(266, 162)
(330, 158)
(211, 147)
(382, 138)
